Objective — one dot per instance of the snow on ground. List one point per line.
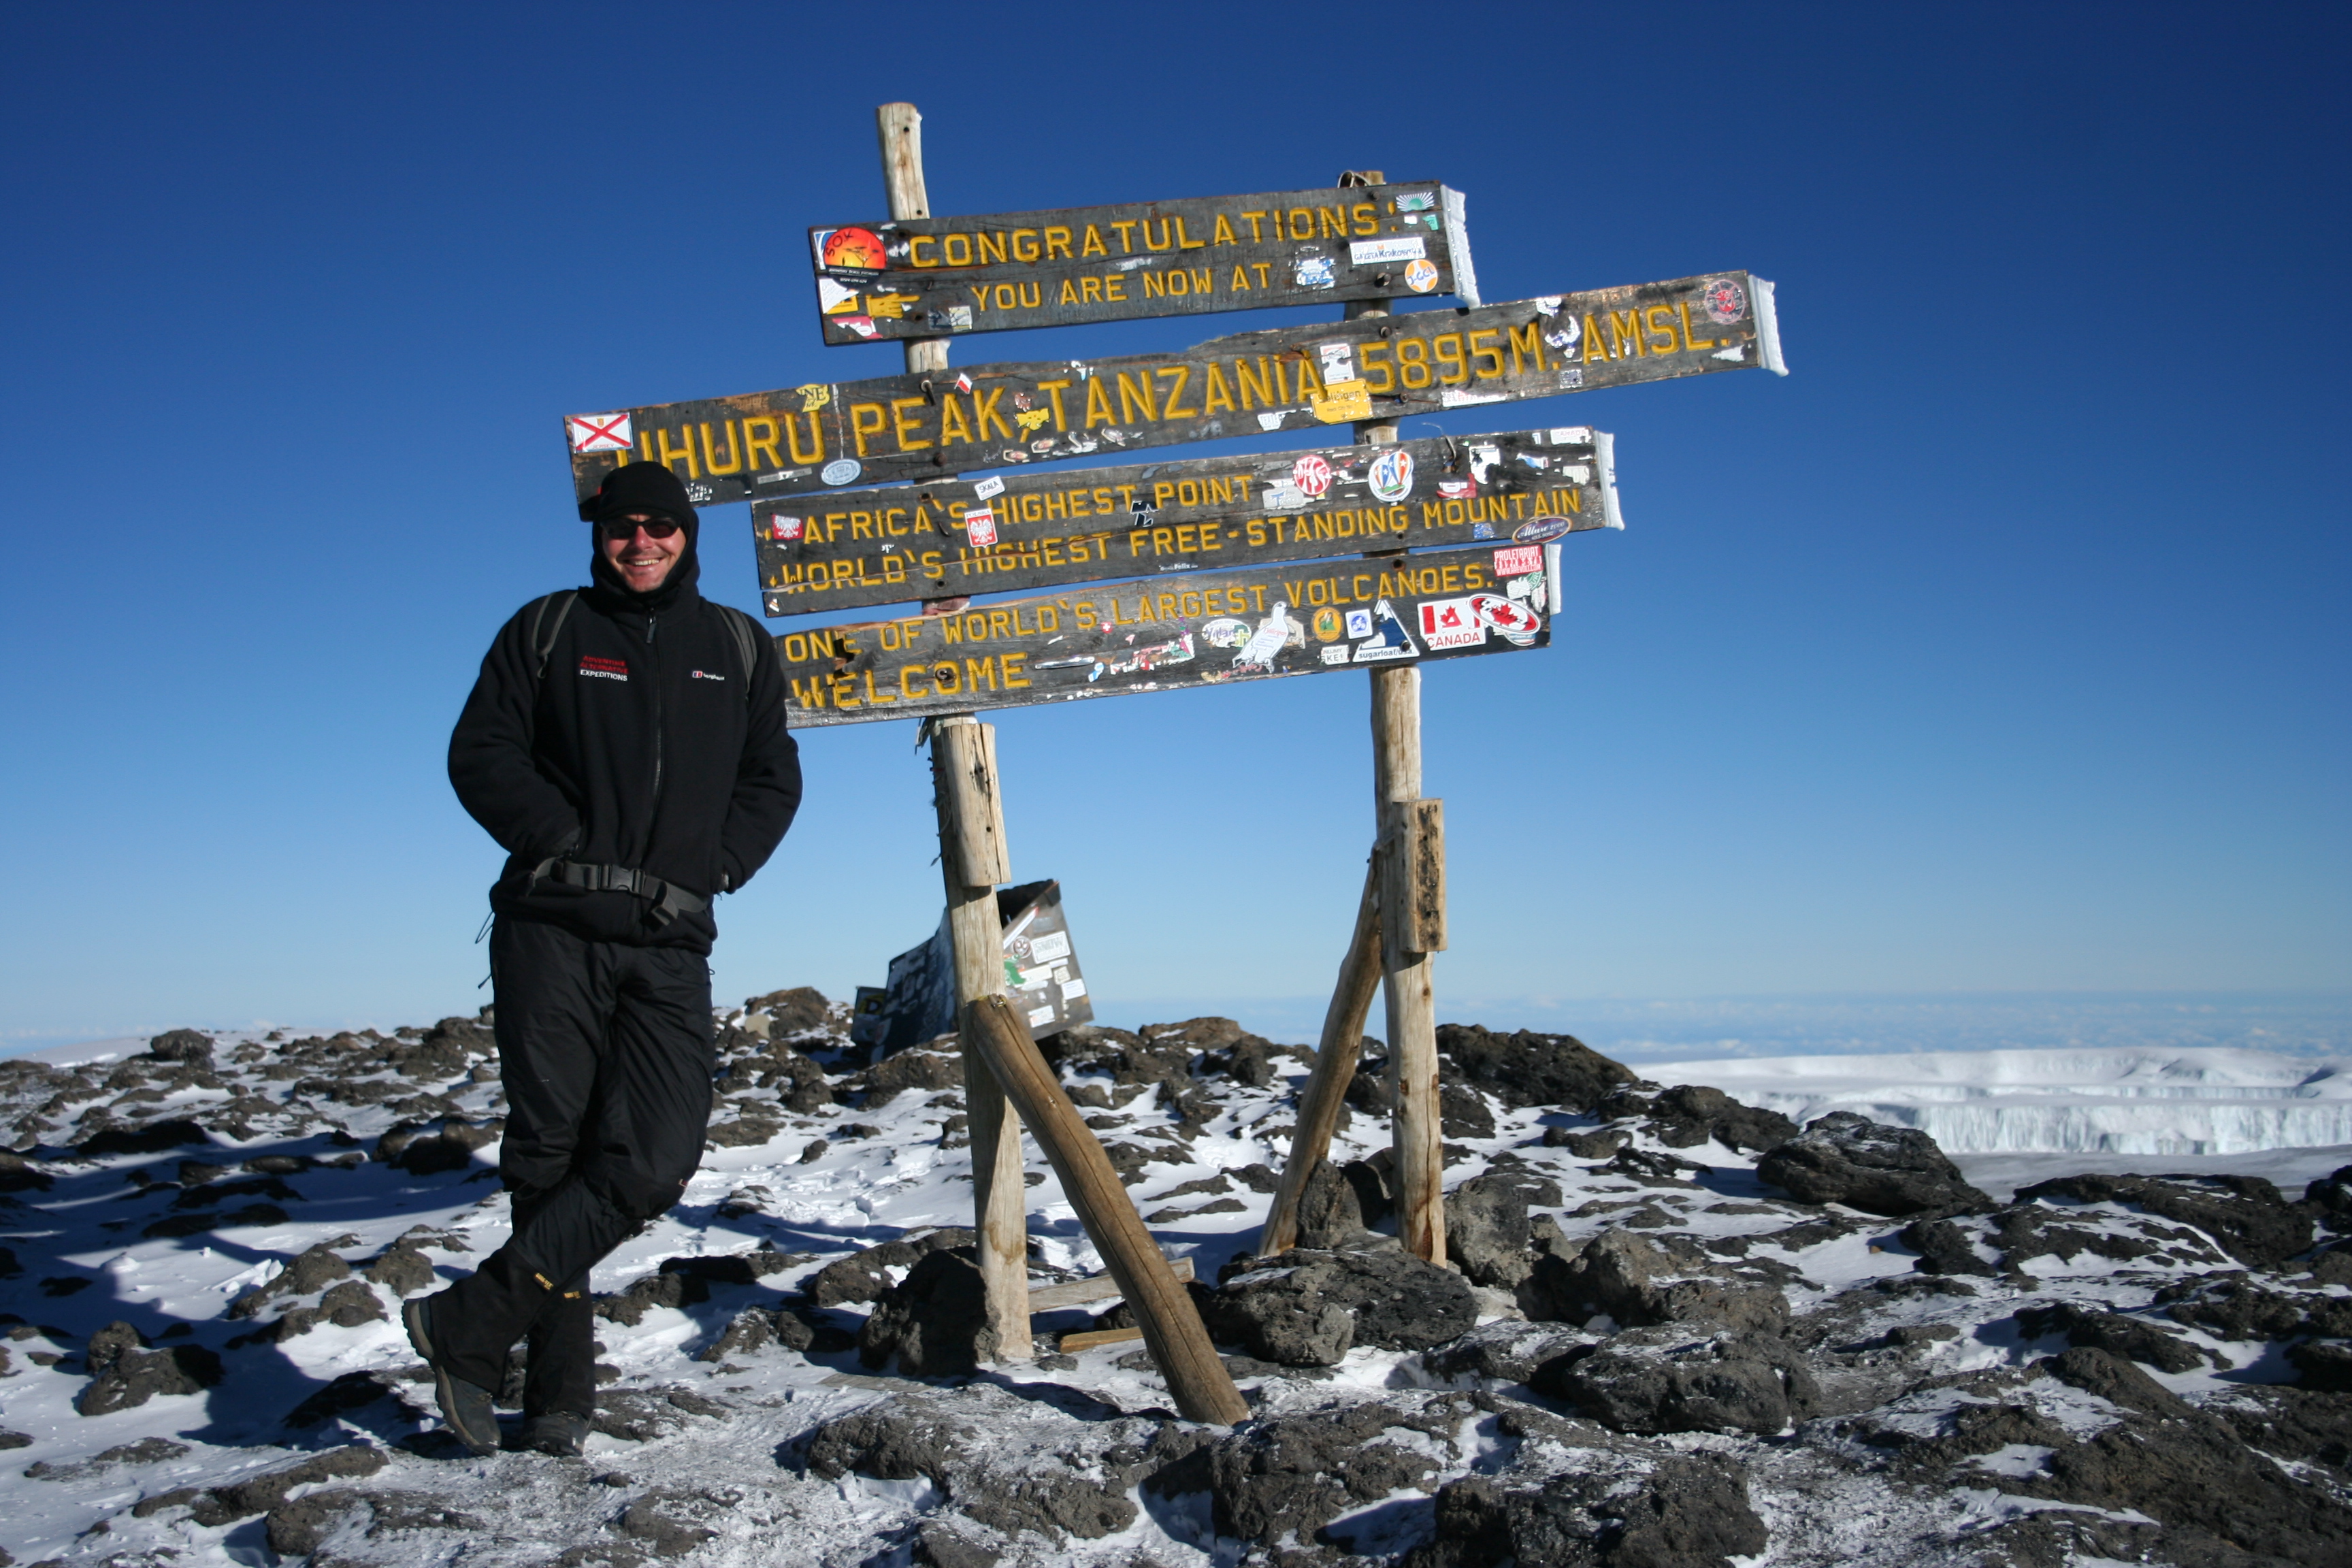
(2175, 1103)
(703, 1448)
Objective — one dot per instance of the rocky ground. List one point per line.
(1681, 1331)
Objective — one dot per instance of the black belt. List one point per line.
(670, 900)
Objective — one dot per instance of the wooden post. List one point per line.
(902, 130)
(972, 861)
(1420, 1171)
(1336, 1052)
(1197, 1378)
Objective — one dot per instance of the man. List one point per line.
(627, 746)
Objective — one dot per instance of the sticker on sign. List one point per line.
(1312, 475)
(599, 432)
(1450, 622)
(980, 526)
(1522, 558)
(1371, 252)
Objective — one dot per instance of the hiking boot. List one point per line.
(466, 1407)
(559, 1433)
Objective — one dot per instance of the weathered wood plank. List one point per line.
(1164, 635)
(926, 276)
(900, 428)
(1095, 1339)
(1020, 531)
(1094, 1288)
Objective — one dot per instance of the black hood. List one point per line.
(647, 488)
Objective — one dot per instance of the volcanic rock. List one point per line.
(935, 1321)
(1637, 1279)
(1688, 1513)
(2248, 1215)
(1306, 1307)
(1526, 1070)
(1667, 1380)
(1846, 1159)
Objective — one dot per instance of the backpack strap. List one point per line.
(747, 633)
(545, 628)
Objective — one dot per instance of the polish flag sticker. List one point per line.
(980, 526)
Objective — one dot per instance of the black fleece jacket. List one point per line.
(637, 748)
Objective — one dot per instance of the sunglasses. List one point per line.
(656, 528)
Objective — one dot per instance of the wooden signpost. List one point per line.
(927, 277)
(1204, 628)
(1381, 556)
(931, 424)
(1019, 531)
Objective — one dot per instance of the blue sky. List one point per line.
(2000, 649)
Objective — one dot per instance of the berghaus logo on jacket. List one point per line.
(604, 668)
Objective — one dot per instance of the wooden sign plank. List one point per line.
(1168, 635)
(901, 428)
(1021, 531)
(940, 277)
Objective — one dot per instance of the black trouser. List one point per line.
(605, 1052)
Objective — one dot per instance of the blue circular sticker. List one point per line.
(841, 471)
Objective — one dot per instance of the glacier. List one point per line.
(2191, 1101)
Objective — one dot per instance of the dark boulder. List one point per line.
(1307, 1306)
(1667, 1380)
(1637, 1279)
(2135, 1339)
(1526, 1069)
(1289, 1476)
(935, 1321)
(1329, 1210)
(862, 1276)
(124, 1375)
(1690, 1115)
(2236, 1307)
(1688, 1512)
(1072, 1483)
(932, 1071)
(790, 1011)
(1487, 1229)
(307, 1273)
(1507, 1350)
(2246, 1215)
(181, 1045)
(1842, 1158)
(151, 1139)
(2324, 1364)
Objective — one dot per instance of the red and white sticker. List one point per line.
(1457, 489)
(785, 528)
(1516, 622)
(980, 526)
(1450, 622)
(1312, 475)
(599, 432)
(1519, 558)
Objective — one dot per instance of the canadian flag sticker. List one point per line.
(599, 432)
(1450, 622)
